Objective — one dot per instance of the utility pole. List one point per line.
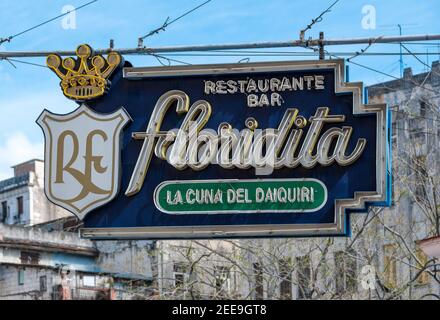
(255, 45)
(321, 46)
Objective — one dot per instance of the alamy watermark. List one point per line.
(368, 21)
(68, 22)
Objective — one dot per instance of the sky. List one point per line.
(25, 90)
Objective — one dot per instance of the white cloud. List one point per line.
(20, 137)
(17, 148)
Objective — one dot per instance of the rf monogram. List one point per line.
(84, 178)
(82, 157)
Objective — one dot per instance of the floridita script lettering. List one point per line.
(296, 141)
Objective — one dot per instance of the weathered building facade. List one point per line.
(37, 264)
(39, 260)
(22, 197)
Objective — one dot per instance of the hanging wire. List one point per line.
(28, 63)
(420, 60)
(238, 53)
(159, 58)
(11, 60)
(316, 20)
(168, 23)
(384, 73)
(415, 115)
(363, 51)
(8, 39)
(244, 60)
(416, 131)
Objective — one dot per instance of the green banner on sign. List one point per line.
(240, 196)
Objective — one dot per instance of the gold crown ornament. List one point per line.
(86, 77)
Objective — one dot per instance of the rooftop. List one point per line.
(26, 162)
(15, 182)
(39, 240)
(408, 81)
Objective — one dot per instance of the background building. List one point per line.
(40, 264)
(42, 256)
(22, 198)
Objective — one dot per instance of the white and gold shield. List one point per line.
(82, 157)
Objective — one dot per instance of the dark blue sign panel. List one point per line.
(243, 150)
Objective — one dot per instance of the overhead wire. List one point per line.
(168, 23)
(317, 20)
(415, 116)
(8, 39)
(363, 51)
(390, 75)
(169, 60)
(24, 62)
(238, 53)
(420, 60)
(416, 131)
(163, 27)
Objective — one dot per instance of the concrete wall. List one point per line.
(42, 209)
(37, 235)
(10, 197)
(10, 289)
(126, 257)
(74, 284)
(37, 208)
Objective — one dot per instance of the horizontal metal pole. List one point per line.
(256, 45)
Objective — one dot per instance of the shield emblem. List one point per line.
(82, 157)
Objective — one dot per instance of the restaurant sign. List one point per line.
(266, 149)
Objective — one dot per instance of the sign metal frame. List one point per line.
(343, 207)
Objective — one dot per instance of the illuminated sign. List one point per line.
(206, 151)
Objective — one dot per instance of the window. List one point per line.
(423, 277)
(222, 279)
(420, 169)
(422, 108)
(89, 281)
(20, 276)
(258, 278)
(346, 272)
(29, 257)
(303, 277)
(286, 279)
(389, 265)
(20, 207)
(180, 275)
(4, 212)
(418, 135)
(43, 284)
(394, 133)
(393, 191)
(419, 192)
(179, 280)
